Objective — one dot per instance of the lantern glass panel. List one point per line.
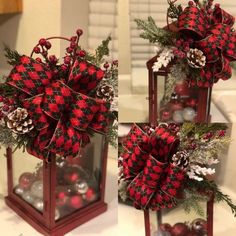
(177, 102)
(79, 179)
(28, 178)
(177, 222)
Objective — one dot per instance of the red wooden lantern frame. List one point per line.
(204, 94)
(45, 222)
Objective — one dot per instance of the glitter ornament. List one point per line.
(178, 116)
(26, 179)
(19, 190)
(81, 187)
(189, 114)
(200, 226)
(180, 229)
(27, 196)
(37, 189)
(38, 204)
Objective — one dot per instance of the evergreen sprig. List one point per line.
(13, 57)
(174, 10)
(102, 50)
(111, 135)
(153, 33)
(210, 186)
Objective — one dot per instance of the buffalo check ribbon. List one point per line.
(154, 181)
(215, 38)
(60, 109)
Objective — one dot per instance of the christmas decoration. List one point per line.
(170, 166)
(189, 114)
(19, 121)
(36, 101)
(105, 91)
(38, 204)
(26, 179)
(203, 40)
(50, 107)
(180, 229)
(199, 226)
(37, 189)
(178, 116)
(196, 58)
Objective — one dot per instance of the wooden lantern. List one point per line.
(157, 87)
(159, 219)
(59, 216)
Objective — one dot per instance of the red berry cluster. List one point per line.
(6, 106)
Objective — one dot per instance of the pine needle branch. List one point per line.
(153, 33)
(174, 10)
(12, 55)
(102, 50)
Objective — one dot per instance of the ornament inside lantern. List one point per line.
(58, 195)
(174, 100)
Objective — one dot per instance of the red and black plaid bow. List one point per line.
(154, 181)
(216, 40)
(60, 109)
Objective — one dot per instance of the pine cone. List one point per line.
(106, 92)
(181, 159)
(196, 58)
(19, 122)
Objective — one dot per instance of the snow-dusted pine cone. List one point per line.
(19, 121)
(196, 58)
(181, 159)
(106, 91)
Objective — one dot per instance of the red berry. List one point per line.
(45, 53)
(42, 42)
(72, 45)
(115, 62)
(79, 32)
(5, 108)
(106, 65)
(1, 98)
(67, 60)
(38, 59)
(81, 53)
(64, 68)
(53, 59)
(73, 38)
(48, 45)
(69, 50)
(190, 3)
(37, 50)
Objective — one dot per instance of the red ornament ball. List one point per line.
(191, 102)
(26, 179)
(199, 226)
(61, 196)
(176, 105)
(90, 195)
(72, 175)
(166, 227)
(182, 89)
(76, 201)
(180, 229)
(165, 115)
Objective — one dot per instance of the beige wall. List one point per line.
(124, 37)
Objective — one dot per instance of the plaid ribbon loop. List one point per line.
(154, 181)
(215, 38)
(60, 113)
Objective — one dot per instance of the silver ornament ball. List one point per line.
(37, 189)
(189, 114)
(27, 196)
(81, 186)
(178, 116)
(38, 204)
(57, 214)
(18, 190)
